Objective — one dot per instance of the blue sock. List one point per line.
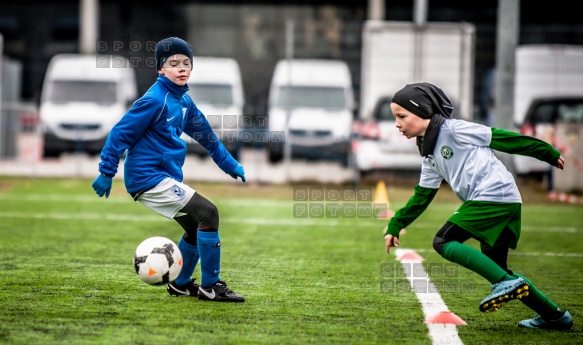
(189, 259)
(209, 246)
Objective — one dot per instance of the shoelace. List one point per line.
(190, 285)
(495, 285)
(538, 319)
(224, 288)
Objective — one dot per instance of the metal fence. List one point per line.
(20, 137)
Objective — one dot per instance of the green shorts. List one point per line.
(486, 220)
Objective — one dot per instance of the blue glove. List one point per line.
(102, 185)
(238, 172)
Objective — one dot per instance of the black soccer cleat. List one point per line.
(219, 292)
(188, 289)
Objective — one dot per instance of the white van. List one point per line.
(216, 87)
(320, 100)
(83, 97)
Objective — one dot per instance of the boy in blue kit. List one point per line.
(150, 132)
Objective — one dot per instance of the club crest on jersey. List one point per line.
(178, 191)
(446, 152)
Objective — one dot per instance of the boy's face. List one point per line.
(177, 68)
(408, 123)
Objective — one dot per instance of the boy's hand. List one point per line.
(102, 185)
(560, 163)
(238, 172)
(391, 241)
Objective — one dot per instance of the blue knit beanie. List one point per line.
(171, 46)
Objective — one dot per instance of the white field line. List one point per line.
(241, 203)
(431, 303)
(117, 199)
(300, 222)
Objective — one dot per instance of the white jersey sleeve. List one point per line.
(463, 158)
(470, 133)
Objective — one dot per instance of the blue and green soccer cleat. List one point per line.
(504, 292)
(564, 323)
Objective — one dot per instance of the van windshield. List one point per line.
(311, 97)
(216, 94)
(64, 91)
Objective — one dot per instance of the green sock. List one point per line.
(540, 303)
(474, 260)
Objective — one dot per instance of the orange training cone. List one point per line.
(410, 256)
(446, 317)
(381, 200)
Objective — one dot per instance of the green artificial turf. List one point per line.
(66, 273)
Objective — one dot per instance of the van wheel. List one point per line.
(236, 154)
(48, 153)
(345, 161)
(275, 157)
(94, 153)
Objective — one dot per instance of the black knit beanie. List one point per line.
(171, 46)
(424, 100)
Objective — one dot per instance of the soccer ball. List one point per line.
(158, 260)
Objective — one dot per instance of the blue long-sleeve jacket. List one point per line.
(150, 132)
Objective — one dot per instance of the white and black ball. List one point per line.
(158, 260)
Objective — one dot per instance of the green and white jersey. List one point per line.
(464, 159)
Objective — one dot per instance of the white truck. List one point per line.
(544, 70)
(549, 72)
(397, 53)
